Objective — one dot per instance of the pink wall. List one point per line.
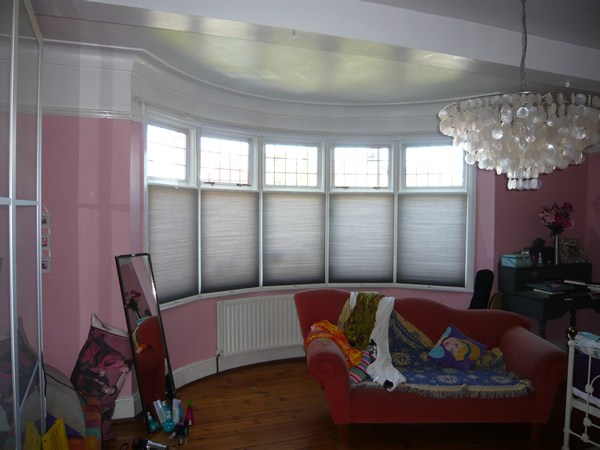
(86, 185)
(93, 187)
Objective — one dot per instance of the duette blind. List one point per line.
(432, 233)
(293, 238)
(229, 231)
(173, 241)
(361, 238)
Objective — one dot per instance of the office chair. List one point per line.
(481, 290)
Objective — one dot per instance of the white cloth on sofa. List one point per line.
(382, 370)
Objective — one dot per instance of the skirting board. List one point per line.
(246, 359)
(131, 406)
(127, 407)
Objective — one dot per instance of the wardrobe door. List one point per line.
(21, 385)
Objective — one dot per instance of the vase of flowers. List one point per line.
(131, 302)
(557, 218)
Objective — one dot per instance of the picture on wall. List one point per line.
(46, 265)
(571, 251)
(46, 220)
(46, 242)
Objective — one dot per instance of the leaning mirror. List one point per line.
(146, 332)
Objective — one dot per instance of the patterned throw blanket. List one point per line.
(409, 347)
(360, 324)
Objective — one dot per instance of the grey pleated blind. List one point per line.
(293, 238)
(173, 241)
(361, 238)
(229, 231)
(432, 232)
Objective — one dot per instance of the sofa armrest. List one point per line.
(327, 365)
(538, 361)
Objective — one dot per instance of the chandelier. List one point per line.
(524, 134)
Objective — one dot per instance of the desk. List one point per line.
(518, 298)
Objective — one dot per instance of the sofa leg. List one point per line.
(536, 432)
(343, 433)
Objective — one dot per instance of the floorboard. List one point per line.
(277, 405)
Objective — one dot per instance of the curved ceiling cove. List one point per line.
(346, 52)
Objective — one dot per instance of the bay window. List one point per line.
(266, 212)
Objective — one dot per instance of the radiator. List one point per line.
(257, 323)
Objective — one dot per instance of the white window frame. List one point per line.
(294, 141)
(430, 143)
(219, 133)
(469, 187)
(362, 143)
(160, 119)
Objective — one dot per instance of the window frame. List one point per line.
(232, 135)
(469, 188)
(362, 143)
(401, 170)
(171, 122)
(270, 140)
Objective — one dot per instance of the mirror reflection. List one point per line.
(146, 332)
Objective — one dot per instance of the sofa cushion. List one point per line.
(456, 349)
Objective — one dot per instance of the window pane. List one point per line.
(224, 161)
(290, 165)
(434, 166)
(230, 233)
(361, 238)
(354, 165)
(167, 153)
(293, 238)
(173, 241)
(432, 233)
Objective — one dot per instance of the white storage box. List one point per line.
(516, 260)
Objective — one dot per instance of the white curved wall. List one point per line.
(107, 82)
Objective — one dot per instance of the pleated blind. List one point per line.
(173, 241)
(432, 233)
(229, 240)
(361, 238)
(293, 238)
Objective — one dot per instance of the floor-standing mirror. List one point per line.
(146, 332)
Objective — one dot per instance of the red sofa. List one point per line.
(526, 354)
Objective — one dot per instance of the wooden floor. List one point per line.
(279, 406)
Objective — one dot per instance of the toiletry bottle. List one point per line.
(166, 407)
(189, 415)
(169, 425)
(160, 412)
(177, 416)
(153, 425)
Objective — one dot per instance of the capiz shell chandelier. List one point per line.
(526, 134)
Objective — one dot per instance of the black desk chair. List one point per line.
(481, 290)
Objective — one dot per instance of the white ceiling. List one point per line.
(358, 52)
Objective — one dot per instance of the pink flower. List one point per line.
(557, 217)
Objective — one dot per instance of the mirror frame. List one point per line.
(170, 391)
